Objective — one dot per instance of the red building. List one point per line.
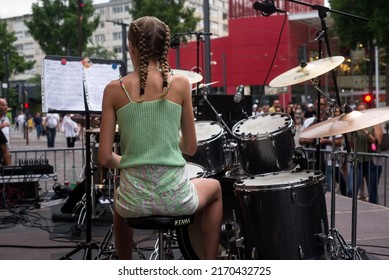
(246, 56)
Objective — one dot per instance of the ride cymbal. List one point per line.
(192, 76)
(347, 122)
(306, 71)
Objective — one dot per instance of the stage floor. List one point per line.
(32, 235)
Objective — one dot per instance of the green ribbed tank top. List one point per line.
(150, 133)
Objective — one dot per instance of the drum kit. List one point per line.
(273, 208)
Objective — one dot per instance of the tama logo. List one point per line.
(182, 222)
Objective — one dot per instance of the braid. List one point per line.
(144, 59)
(152, 38)
(165, 68)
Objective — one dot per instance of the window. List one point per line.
(117, 9)
(116, 36)
(100, 38)
(117, 49)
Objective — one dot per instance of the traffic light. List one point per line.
(368, 98)
(26, 105)
(81, 3)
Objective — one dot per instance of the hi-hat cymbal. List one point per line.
(306, 72)
(347, 122)
(205, 85)
(192, 76)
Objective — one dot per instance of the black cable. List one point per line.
(272, 63)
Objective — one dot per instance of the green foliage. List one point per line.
(353, 31)
(55, 26)
(180, 19)
(16, 62)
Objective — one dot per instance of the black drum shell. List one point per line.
(267, 150)
(284, 221)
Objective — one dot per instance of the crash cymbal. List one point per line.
(81, 119)
(306, 72)
(192, 76)
(347, 122)
(205, 85)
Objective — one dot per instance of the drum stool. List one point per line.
(164, 225)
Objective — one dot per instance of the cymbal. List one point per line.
(192, 76)
(202, 85)
(80, 119)
(347, 122)
(303, 73)
(97, 130)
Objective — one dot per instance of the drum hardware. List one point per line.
(349, 121)
(236, 170)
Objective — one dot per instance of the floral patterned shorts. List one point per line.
(155, 190)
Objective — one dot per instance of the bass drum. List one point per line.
(190, 238)
(266, 142)
(210, 147)
(284, 215)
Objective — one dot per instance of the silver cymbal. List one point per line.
(192, 76)
(303, 73)
(347, 122)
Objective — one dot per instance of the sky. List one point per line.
(12, 8)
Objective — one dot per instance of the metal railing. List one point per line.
(376, 165)
(68, 163)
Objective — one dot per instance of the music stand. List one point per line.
(79, 90)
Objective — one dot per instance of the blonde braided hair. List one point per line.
(152, 38)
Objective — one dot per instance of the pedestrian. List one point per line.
(38, 124)
(52, 122)
(153, 109)
(4, 120)
(5, 156)
(70, 129)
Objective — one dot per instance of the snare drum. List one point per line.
(266, 142)
(210, 151)
(194, 170)
(284, 215)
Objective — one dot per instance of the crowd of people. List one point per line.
(44, 124)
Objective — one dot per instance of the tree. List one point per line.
(374, 31)
(180, 19)
(56, 26)
(10, 60)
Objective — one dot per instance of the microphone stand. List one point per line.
(198, 39)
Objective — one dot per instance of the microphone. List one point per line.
(239, 94)
(267, 7)
(175, 42)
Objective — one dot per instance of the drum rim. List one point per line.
(250, 136)
(316, 177)
(214, 136)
